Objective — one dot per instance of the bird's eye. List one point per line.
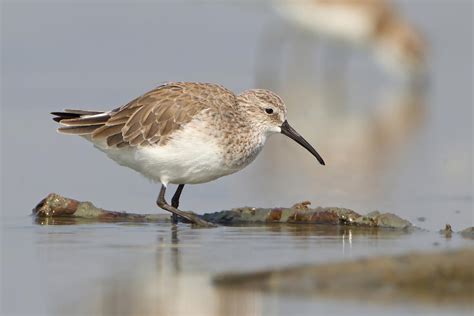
(269, 110)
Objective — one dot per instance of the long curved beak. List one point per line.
(287, 130)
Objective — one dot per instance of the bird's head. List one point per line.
(267, 110)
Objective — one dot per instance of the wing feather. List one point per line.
(78, 130)
(153, 118)
(114, 139)
(106, 131)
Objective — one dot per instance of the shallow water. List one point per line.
(386, 148)
(157, 269)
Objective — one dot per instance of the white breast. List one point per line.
(191, 156)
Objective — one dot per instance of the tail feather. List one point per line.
(63, 115)
(82, 112)
(80, 122)
(98, 119)
(78, 130)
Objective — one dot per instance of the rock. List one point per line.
(467, 233)
(385, 220)
(442, 277)
(55, 206)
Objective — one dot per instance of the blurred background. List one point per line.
(383, 90)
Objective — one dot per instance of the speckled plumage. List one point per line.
(237, 124)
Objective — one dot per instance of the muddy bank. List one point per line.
(56, 209)
(443, 277)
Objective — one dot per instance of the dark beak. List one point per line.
(287, 130)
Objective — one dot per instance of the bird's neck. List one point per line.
(242, 141)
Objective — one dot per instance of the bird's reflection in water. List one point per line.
(175, 255)
(235, 302)
(168, 255)
(347, 243)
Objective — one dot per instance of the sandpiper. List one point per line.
(185, 133)
(376, 24)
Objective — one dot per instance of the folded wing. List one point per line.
(149, 119)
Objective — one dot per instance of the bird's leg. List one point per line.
(193, 218)
(175, 202)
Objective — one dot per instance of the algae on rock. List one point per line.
(55, 206)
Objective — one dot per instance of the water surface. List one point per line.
(157, 269)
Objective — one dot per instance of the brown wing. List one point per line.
(152, 118)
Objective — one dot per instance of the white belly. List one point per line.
(192, 156)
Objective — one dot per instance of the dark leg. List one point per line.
(176, 196)
(175, 202)
(193, 218)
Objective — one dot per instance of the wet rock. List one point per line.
(385, 220)
(443, 277)
(63, 209)
(56, 206)
(301, 213)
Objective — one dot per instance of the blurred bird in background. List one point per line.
(374, 25)
(371, 111)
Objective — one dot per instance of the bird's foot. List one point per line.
(195, 220)
(187, 217)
